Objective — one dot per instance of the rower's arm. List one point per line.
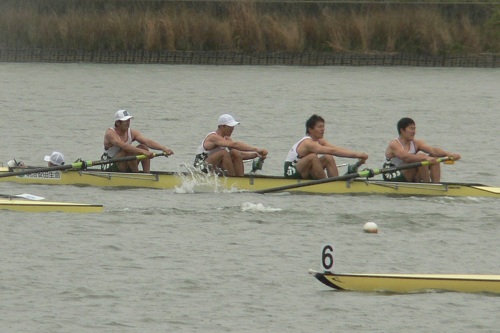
(436, 151)
(223, 142)
(150, 143)
(324, 147)
(114, 139)
(402, 154)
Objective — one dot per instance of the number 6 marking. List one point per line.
(327, 257)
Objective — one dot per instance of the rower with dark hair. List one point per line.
(406, 149)
(312, 155)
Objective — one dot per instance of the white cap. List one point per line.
(227, 120)
(122, 115)
(12, 163)
(55, 158)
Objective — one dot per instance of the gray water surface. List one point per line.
(185, 261)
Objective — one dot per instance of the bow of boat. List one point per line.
(410, 283)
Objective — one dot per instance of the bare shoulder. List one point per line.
(111, 138)
(308, 142)
(110, 132)
(213, 137)
(394, 148)
(218, 141)
(393, 144)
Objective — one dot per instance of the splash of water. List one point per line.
(195, 181)
(258, 207)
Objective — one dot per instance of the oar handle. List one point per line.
(367, 173)
(408, 166)
(118, 160)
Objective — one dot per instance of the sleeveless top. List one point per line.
(113, 150)
(202, 150)
(293, 156)
(396, 160)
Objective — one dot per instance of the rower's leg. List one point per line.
(133, 166)
(311, 167)
(435, 171)
(328, 163)
(411, 175)
(423, 175)
(128, 166)
(221, 160)
(146, 163)
(237, 159)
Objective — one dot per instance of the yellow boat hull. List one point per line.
(170, 180)
(409, 283)
(48, 206)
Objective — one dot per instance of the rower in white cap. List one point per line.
(54, 159)
(220, 154)
(118, 143)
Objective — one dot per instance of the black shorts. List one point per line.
(290, 171)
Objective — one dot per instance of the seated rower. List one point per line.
(13, 164)
(220, 154)
(406, 149)
(312, 155)
(54, 159)
(118, 143)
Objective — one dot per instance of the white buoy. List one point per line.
(370, 227)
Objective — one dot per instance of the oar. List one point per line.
(365, 173)
(78, 165)
(24, 195)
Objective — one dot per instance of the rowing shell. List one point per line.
(408, 283)
(172, 180)
(48, 206)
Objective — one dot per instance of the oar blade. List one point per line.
(24, 196)
(30, 196)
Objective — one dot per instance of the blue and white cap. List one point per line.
(122, 115)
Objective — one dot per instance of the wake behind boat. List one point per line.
(410, 283)
(250, 182)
